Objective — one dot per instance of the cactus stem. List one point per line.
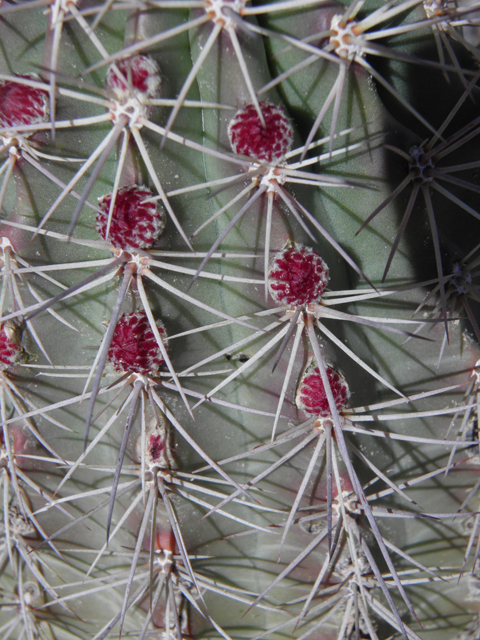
(347, 524)
(138, 387)
(100, 156)
(191, 79)
(316, 312)
(154, 177)
(102, 355)
(197, 303)
(334, 96)
(105, 146)
(160, 343)
(164, 409)
(143, 45)
(270, 179)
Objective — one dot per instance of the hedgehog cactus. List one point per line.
(289, 192)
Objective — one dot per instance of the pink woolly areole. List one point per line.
(156, 447)
(134, 347)
(10, 350)
(135, 224)
(21, 104)
(269, 143)
(297, 276)
(311, 396)
(142, 74)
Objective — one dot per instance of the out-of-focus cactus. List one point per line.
(239, 337)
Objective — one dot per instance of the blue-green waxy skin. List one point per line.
(235, 552)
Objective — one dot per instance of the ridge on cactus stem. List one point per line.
(20, 530)
(13, 277)
(322, 433)
(135, 268)
(344, 501)
(269, 177)
(12, 354)
(299, 320)
(155, 480)
(225, 16)
(128, 111)
(160, 488)
(134, 349)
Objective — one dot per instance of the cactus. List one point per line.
(232, 233)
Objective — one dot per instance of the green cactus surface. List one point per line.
(239, 334)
